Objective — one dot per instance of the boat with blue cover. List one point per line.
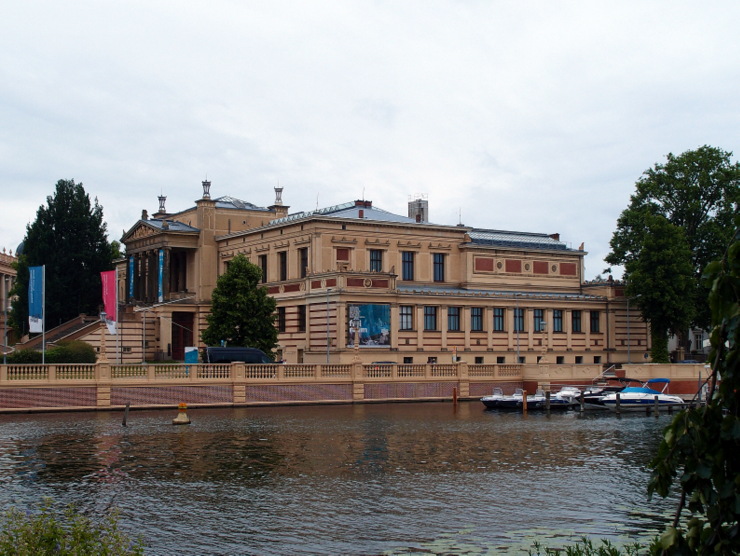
(642, 398)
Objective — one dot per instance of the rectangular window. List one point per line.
(406, 314)
(303, 261)
(576, 318)
(281, 319)
(539, 320)
(301, 318)
(557, 320)
(579, 359)
(439, 267)
(453, 318)
(478, 360)
(560, 360)
(476, 319)
(518, 320)
(408, 360)
(499, 319)
(430, 318)
(501, 359)
(283, 264)
(263, 266)
(594, 321)
(376, 260)
(407, 265)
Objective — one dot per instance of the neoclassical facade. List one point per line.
(7, 280)
(354, 280)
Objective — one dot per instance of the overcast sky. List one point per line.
(534, 116)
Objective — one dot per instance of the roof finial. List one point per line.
(162, 199)
(206, 189)
(278, 195)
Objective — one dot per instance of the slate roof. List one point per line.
(171, 226)
(234, 203)
(348, 210)
(516, 239)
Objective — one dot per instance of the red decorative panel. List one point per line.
(568, 269)
(48, 397)
(380, 283)
(513, 265)
(292, 287)
(342, 254)
(409, 390)
(299, 392)
(169, 395)
(541, 267)
(483, 264)
(315, 284)
(273, 290)
(331, 283)
(356, 282)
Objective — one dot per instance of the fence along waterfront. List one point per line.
(41, 387)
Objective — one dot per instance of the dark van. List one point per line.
(231, 354)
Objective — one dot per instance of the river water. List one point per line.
(410, 478)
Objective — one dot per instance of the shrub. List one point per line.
(24, 356)
(71, 351)
(69, 532)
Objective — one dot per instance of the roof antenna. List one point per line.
(317, 201)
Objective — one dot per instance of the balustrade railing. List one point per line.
(271, 372)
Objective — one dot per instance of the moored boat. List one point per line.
(491, 402)
(645, 397)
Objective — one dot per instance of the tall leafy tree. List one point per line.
(661, 282)
(69, 238)
(242, 313)
(697, 191)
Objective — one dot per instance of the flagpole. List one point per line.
(118, 323)
(43, 314)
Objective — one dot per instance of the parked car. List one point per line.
(232, 354)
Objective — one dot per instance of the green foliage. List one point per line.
(661, 282)
(24, 356)
(585, 547)
(68, 351)
(50, 532)
(242, 314)
(697, 191)
(701, 446)
(69, 238)
(74, 351)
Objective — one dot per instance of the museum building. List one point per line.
(354, 280)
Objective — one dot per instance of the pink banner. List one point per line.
(110, 299)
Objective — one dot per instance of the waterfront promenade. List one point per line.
(106, 385)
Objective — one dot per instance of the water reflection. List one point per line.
(363, 479)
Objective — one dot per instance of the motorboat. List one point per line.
(567, 398)
(645, 397)
(593, 396)
(491, 402)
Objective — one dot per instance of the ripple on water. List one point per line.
(341, 479)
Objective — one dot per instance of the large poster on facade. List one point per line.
(373, 320)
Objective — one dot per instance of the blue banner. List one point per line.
(160, 276)
(36, 298)
(131, 277)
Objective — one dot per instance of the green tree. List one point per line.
(661, 283)
(69, 238)
(702, 445)
(697, 191)
(242, 314)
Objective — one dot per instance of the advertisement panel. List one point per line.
(373, 320)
